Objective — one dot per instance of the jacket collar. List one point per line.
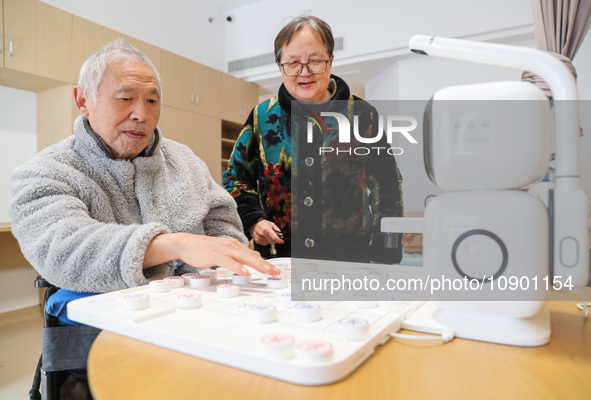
(147, 152)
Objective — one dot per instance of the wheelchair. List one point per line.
(64, 355)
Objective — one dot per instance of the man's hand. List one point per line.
(202, 251)
(265, 232)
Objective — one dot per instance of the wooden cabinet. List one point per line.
(238, 99)
(89, 37)
(56, 112)
(42, 49)
(9, 248)
(207, 133)
(190, 86)
(152, 52)
(177, 80)
(249, 97)
(231, 110)
(207, 87)
(200, 132)
(37, 39)
(230, 132)
(48, 47)
(220, 104)
(176, 125)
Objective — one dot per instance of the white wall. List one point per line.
(372, 26)
(380, 32)
(179, 26)
(18, 135)
(418, 77)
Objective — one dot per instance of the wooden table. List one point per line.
(124, 368)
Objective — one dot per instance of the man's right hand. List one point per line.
(202, 251)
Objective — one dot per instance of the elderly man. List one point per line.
(117, 204)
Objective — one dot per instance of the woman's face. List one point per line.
(306, 46)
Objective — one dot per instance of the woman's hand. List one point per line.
(265, 232)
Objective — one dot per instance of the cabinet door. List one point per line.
(201, 133)
(40, 37)
(239, 97)
(56, 112)
(177, 80)
(231, 110)
(152, 52)
(249, 97)
(88, 37)
(207, 87)
(177, 125)
(207, 139)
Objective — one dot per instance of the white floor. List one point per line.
(20, 347)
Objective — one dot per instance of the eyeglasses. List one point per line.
(314, 67)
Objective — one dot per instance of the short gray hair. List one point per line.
(93, 69)
(287, 33)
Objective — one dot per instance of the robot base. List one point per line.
(529, 332)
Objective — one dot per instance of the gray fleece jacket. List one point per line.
(84, 220)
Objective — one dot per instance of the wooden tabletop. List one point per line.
(124, 368)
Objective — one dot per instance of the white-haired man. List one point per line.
(117, 204)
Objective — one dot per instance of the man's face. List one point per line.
(127, 107)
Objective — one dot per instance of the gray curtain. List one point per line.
(560, 28)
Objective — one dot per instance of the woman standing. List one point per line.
(293, 198)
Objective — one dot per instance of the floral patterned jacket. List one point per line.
(327, 205)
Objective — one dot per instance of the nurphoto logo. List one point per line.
(344, 127)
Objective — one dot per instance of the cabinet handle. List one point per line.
(192, 98)
(10, 48)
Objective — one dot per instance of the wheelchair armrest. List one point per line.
(40, 282)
